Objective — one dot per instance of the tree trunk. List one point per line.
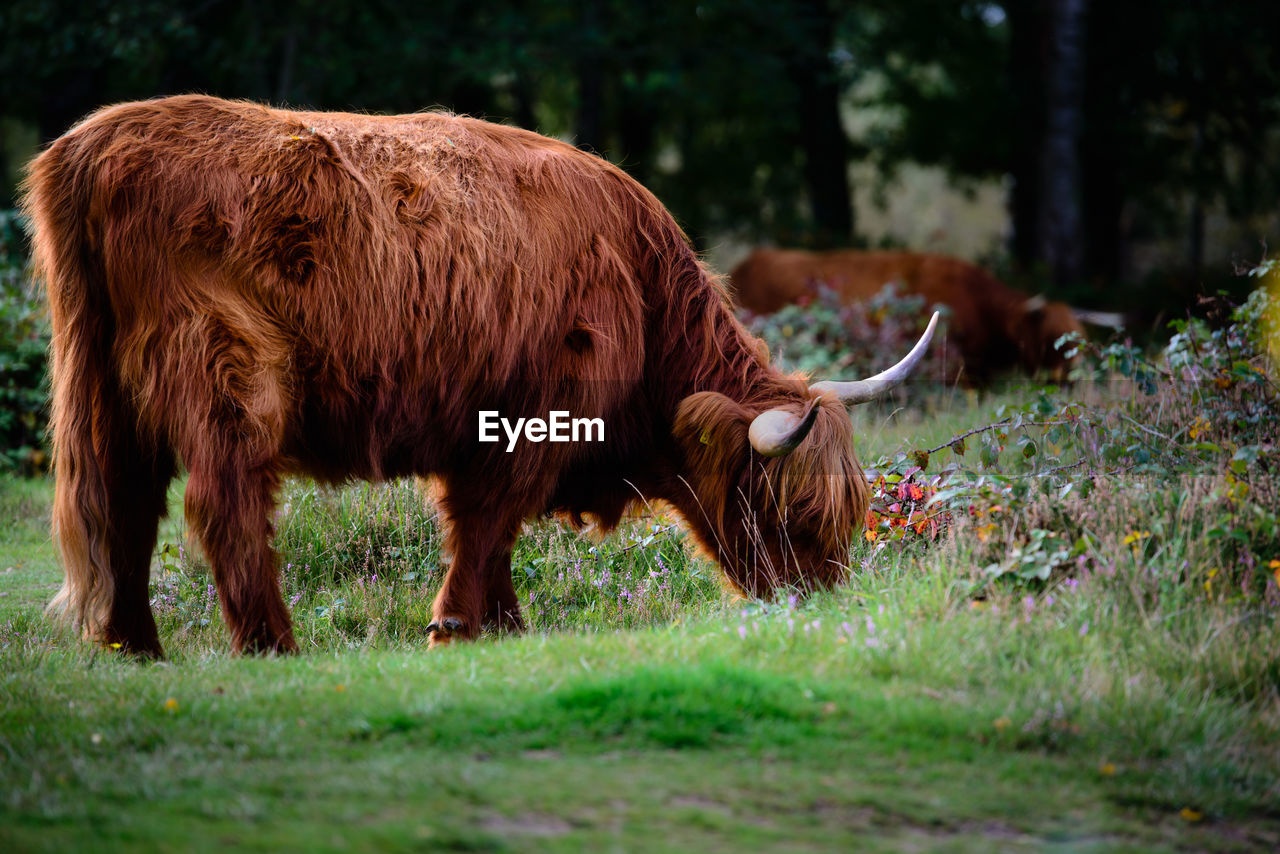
(1103, 184)
(1060, 223)
(288, 56)
(826, 148)
(1103, 202)
(638, 121)
(1026, 78)
(589, 121)
(80, 91)
(523, 92)
(1195, 236)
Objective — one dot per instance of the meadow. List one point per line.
(1060, 632)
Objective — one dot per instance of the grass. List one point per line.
(1121, 704)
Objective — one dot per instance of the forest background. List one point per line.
(1114, 153)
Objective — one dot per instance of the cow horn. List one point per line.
(777, 432)
(1113, 319)
(861, 391)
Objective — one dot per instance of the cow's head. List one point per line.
(776, 496)
(1035, 326)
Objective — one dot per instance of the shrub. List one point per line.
(821, 336)
(1157, 473)
(24, 342)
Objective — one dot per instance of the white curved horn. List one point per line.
(777, 432)
(1113, 319)
(861, 391)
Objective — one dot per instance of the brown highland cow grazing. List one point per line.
(993, 326)
(258, 292)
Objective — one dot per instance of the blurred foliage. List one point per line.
(24, 341)
(730, 110)
(828, 339)
(668, 89)
(1194, 430)
(1180, 107)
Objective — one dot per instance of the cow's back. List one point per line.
(981, 307)
(360, 281)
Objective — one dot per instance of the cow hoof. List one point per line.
(442, 631)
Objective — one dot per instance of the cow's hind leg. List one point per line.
(136, 489)
(477, 587)
(135, 480)
(110, 494)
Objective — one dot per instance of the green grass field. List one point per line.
(1128, 702)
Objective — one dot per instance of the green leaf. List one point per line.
(1040, 571)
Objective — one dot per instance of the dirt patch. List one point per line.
(704, 804)
(528, 824)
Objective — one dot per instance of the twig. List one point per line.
(1145, 428)
(1001, 423)
(967, 434)
(1054, 470)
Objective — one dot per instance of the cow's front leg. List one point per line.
(501, 605)
(230, 506)
(474, 592)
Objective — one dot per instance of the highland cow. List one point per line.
(254, 293)
(993, 326)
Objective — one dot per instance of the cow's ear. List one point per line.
(711, 423)
(1035, 305)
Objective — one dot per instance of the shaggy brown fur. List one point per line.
(993, 326)
(259, 292)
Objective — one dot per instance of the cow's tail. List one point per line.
(86, 402)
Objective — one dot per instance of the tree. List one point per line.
(1173, 107)
(1135, 119)
(822, 136)
(1059, 215)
